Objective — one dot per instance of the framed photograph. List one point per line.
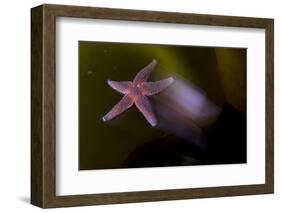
(136, 106)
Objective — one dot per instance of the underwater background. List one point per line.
(216, 135)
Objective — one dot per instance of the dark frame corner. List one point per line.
(43, 166)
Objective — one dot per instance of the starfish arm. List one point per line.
(120, 86)
(144, 73)
(144, 106)
(125, 103)
(152, 88)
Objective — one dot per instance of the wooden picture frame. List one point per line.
(43, 102)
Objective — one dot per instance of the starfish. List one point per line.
(136, 92)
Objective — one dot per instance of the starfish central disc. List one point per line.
(135, 91)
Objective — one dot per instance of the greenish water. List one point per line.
(221, 72)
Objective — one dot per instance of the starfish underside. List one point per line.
(136, 92)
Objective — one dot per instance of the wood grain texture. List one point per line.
(36, 107)
(43, 105)
(269, 60)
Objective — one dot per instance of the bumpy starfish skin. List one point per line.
(135, 93)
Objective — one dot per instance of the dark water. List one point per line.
(128, 140)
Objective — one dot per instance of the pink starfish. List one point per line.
(135, 93)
